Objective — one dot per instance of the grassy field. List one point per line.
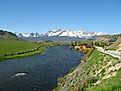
(10, 46)
(16, 49)
(100, 72)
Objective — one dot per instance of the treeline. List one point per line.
(52, 43)
(101, 44)
(78, 43)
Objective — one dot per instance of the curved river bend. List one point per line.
(40, 72)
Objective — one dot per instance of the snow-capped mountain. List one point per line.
(28, 34)
(61, 32)
(79, 34)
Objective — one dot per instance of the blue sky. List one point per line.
(43, 15)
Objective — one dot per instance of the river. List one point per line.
(41, 71)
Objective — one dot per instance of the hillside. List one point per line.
(100, 72)
(111, 41)
(13, 47)
(7, 35)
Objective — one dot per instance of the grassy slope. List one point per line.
(111, 84)
(107, 39)
(114, 45)
(88, 76)
(104, 63)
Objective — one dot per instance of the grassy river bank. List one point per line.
(16, 49)
(97, 72)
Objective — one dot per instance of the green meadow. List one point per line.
(20, 48)
(10, 46)
(15, 49)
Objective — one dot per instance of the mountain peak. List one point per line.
(80, 33)
(62, 32)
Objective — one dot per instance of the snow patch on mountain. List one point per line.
(28, 34)
(80, 34)
(62, 32)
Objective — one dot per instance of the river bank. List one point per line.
(98, 72)
(40, 72)
(37, 49)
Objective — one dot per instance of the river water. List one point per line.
(41, 71)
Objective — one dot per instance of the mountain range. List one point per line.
(62, 33)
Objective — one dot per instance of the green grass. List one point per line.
(10, 46)
(95, 57)
(17, 49)
(111, 84)
(84, 77)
